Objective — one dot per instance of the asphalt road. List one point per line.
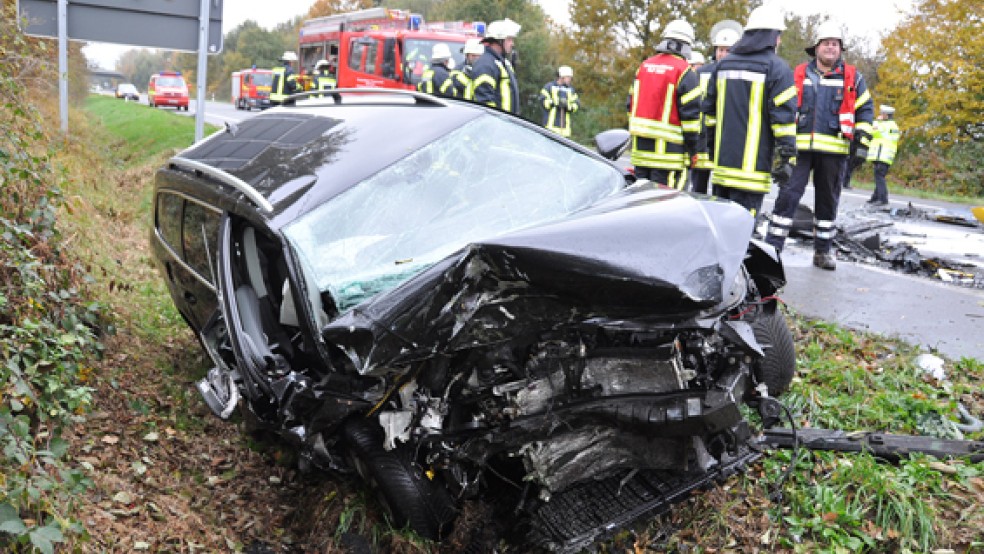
(945, 318)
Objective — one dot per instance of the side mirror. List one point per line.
(612, 143)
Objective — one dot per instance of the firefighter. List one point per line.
(833, 127)
(884, 145)
(284, 80)
(664, 118)
(461, 79)
(752, 99)
(323, 76)
(697, 60)
(493, 78)
(437, 78)
(559, 101)
(723, 35)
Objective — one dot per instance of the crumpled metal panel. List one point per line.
(644, 254)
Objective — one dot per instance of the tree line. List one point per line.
(926, 68)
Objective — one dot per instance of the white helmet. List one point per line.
(765, 17)
(886, 109)
(696, 57)
(321, 63)
(726, 33)
(679, 29)
(565, 71)
(289, 56)
(473, 46)
(440, 51)
(502, 29)
(826, 30)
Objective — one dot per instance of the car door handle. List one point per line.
(190, 298)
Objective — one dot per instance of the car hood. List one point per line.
(642, 254)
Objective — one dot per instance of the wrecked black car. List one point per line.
(441, 298)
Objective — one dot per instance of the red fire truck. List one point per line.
(251, 88)
(380, 47)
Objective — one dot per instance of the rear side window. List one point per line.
(169, 219)
(200, 236)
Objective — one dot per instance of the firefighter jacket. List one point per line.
(461, 82)
(559, 102)
(831, 108)
(436, 80)
(884, 141)
(752, 99)
(324, 81)
(705, 150)
(284, 84)
(494, 82)
(664, 116)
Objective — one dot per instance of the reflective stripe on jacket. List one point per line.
(753, 99)
(284, 84)
(823, 112)
(436, 80)
(461, 82)
(494, 82)
(705, 156)
(558, 102)
(665, 112)
(884, 141)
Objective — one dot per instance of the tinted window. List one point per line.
(201, 238)
(355, 56)
(169, 219)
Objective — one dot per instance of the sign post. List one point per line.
(184, 25)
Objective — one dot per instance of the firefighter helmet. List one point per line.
(679, 29)
(725, 33)
(440, 52)
(565, 71)
(502, 29)
(322, 63)
(765, 17)
(288, 56)
(473, 46)
(826, 30)
(696, 58)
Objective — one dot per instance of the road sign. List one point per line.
(167, 24)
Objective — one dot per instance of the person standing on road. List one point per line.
(664, 115)
(323, 77)
(724, 35)
(752, 99)
(559, 101)
(494, 80)
(884, 145)
(834, 123)
(461, 79)
(437, 78)
(284, 80)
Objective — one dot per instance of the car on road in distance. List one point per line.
(167, 88)
(456, 305)
(127, 91)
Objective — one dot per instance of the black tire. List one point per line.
(408, 496)
(777, 367)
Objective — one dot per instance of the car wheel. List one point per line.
(407, 495)
(777, 367)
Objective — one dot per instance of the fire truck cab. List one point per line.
(380, 47)
(251, 88)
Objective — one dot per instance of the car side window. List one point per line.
(169, 219)
(200, 234)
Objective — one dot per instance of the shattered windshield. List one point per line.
(486, 178)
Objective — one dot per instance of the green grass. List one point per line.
(142, 132)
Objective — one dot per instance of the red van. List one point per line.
(167, 88)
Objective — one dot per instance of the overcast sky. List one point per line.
(869, 18)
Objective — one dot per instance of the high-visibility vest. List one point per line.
(558, 102)
(664, 85)
(817, 130)
(884, 141)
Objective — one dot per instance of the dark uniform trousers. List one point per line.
(826, 185)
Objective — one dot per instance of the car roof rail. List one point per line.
(336, 94)
(225, 178)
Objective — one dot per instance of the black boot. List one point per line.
(824, 260)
